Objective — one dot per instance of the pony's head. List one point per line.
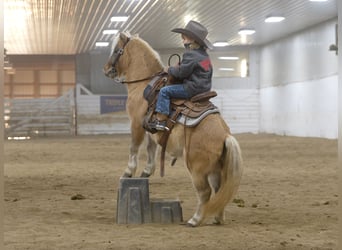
(119, 43)
(130, 54)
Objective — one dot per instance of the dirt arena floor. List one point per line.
(287, 199)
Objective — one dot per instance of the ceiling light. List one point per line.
(101, 44)
(228, 58)
(220, 44)
(110, 32)
(226, 69)
(119, 19)
(274, 19)
(246, 32)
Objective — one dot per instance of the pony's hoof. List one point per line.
(127, 175)
(192, 223)
(144, 175)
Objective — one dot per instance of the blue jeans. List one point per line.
(168, 92)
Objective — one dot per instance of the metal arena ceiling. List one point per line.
(74, 26)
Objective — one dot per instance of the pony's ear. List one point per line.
(124, 36)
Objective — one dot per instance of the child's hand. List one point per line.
(166, 69)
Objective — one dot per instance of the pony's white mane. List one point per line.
(136, 36)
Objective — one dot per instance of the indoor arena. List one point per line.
(253, 162)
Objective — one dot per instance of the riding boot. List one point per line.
(161, 117)
(160, 122)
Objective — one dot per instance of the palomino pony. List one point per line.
(212, 155)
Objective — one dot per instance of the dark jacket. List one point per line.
(195, 71)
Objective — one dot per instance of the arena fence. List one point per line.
(40, 117)
(80, 112)
(77, 112)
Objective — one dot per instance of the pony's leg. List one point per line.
(151, 157)
(215, 183)
(137, 137)
(132, 160)
(203, 189)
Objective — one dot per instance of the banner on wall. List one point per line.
(110, 104)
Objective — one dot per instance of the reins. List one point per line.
(140, 80)
(116, 56)
(146, 78)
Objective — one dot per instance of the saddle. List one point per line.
(187, 112)
(193, 111)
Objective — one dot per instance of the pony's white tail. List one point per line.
(231, 176)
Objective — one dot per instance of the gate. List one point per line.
(40, 117)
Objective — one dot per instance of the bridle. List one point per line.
(115, 58)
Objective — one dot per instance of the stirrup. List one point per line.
(159, 125)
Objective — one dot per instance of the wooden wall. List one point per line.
(40, 76)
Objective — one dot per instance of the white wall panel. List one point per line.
(239, 108)
(90, 121)
(300, 57)
(302, 109)
(88, 105)
(298, 84)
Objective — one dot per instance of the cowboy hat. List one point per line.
(196, 31)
